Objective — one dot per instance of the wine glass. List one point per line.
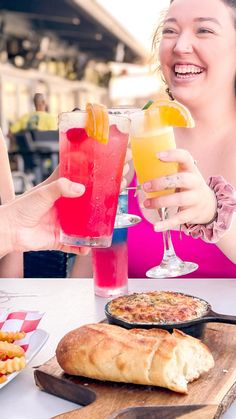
(123, 219)
(147, 139)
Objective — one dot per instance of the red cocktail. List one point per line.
(89, 220)
(110, 266)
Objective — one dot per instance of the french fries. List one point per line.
(12, 356)
(11, 336)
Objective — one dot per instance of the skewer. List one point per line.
(130, 188)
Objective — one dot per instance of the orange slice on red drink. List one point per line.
(169, 113)
(97, 124)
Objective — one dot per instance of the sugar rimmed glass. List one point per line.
(89, 219)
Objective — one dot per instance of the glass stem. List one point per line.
(168, 245)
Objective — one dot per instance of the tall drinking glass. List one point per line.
(110, 266)
(89, 219)
(123, 218)
(147, 139)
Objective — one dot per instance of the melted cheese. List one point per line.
(157, 307)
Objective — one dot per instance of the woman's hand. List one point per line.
(128, 170)
(31, 220)
(195, 200)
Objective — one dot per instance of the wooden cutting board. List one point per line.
(208, 397)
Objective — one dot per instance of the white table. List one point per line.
(69, 303)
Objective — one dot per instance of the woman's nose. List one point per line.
(183, 44)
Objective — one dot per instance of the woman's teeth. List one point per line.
(187, 70)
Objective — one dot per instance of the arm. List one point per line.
(196, 201)
(6, 245)
(82, 267)
(11, 266)
(227, 243)
(30, 222)
(128, 170)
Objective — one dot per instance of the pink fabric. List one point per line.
(145, 250)
(226, 206)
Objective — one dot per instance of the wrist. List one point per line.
(6, 239)
(225, 196)
(213, 208)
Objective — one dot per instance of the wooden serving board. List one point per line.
(208, 397)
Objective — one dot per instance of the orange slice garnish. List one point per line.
(169, 113)
(97, 124)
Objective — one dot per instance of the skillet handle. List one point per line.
(212, 316)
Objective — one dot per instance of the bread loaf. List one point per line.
(152, 357)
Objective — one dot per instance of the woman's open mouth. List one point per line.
(187, 71)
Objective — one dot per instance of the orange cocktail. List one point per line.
(145, 147)
(152, 132)
(89, 219)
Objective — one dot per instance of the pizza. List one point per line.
(157, 307)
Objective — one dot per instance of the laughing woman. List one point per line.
(197, 54)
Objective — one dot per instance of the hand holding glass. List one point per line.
(147, 139)
(89, 220)
(124, 219)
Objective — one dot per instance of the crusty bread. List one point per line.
(140, 356)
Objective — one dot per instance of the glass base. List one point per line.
(106, 292)
(171, 270)
(104, 241)
(126, 220)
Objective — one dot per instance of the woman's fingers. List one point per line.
(179, 218)
(179, 199)
(183, 180)
(42, 199)
(188, 176)
(83, 251)
(195, 200)
(181, 156)
(54, 190)
(123, 185)
(127, 172)
(125, 169)
(128, 156)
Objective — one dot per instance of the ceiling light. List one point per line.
(76, 20)
(98, 36)
(19, 61)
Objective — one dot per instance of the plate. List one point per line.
(37, 340)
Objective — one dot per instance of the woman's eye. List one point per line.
(168, 31)
(204, 30)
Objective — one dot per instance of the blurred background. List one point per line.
(71, 51)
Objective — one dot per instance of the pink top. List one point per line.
(146, 250)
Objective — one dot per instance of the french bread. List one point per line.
(140, 356)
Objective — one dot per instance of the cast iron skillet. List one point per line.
(193, 327)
